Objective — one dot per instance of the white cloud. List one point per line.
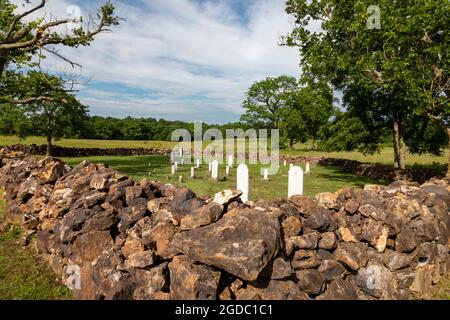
(182, 49)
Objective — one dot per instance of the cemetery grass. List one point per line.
(386, 155)
(23, 275)
(157, 168)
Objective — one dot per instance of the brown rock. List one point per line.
(375, 234)
(240, 244)
(281, 290)
(340, 289)
(190, 281)
(132, 246)
(331, 269)
(310, 281)
(346, 235)
(351, 206)
(305, 259)
(405, 240)
(353, 255)
(328, 241)
(201, 217)
(291, 226)
(87, 247)
(307, 241)
(396, 260)
(140, 260)
(131, 193)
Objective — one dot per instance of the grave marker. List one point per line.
(295, 183)
(266, 174)
(215, 169)
(227, 170)
(198, 163)
(230, 160)
(242, 181)
(192, 172)
(308, 168)
(173, 170)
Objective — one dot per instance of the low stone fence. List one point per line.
(110, 237)
(370, 170)
(59, 151)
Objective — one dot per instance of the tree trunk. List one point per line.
(2, 66)
(399, 144)
(49, 146)
(291, 143)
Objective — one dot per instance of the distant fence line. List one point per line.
(369, 170)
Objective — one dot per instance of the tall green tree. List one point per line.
(405, 58)
(45, 104)
(267, 101)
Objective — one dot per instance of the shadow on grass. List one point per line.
(338, 174)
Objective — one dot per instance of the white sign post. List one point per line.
(215, 169)
(230, 160)
(295, 183)
(266, 174)
(242, 181)
(308, 168)
(198, 163)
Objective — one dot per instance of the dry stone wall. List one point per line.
(146, 240)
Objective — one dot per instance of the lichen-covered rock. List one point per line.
(189, 281)
(241, 244)
(202, 216)
(353, 255)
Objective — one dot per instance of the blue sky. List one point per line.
(179, 59)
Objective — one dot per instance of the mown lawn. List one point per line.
(23, 275)
(322, 179)
(386, 156)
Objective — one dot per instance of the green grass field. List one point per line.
(323, 179)
(23, 275)
(386, 156)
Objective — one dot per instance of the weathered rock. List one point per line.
(310, 281)
(328, 200)
(140, 260)
(351, 206)
(131, 193)
(132, 246)
(100, 221)
(421, 286)
(240, 244)
(353, 255)
(340, 289)
(87, 247)
(346, 235)
(307, 241)
(331, 269)
(319, 219)
(305, 259)
(189, 281)
(184, 202)
(396, 260)
(130, 215)
(248, 294)
(374, 233)
(227, 196)
(291, 226)
(303, 204)
(376, 281)
(425, 229)
(281, 290)
(201, 217)
(278, 269)
(328, 241)
(405, 240)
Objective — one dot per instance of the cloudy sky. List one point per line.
(179, 59)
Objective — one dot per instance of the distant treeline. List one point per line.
(109, 128)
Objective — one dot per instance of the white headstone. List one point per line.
(227, 170)
(285, 163)
(295, 184)
(173, 170)
(176, 166)
(230, 160)
(215, 169)
(242, 181)
(308, 168)
(266, 174)
(198, 163)
(192, 172)
(182, 161)
(180, 179)
(209, 167)
(181, 152)
(291, 166)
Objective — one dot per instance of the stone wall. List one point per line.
(146, 240)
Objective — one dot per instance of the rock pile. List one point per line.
(146, 240)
